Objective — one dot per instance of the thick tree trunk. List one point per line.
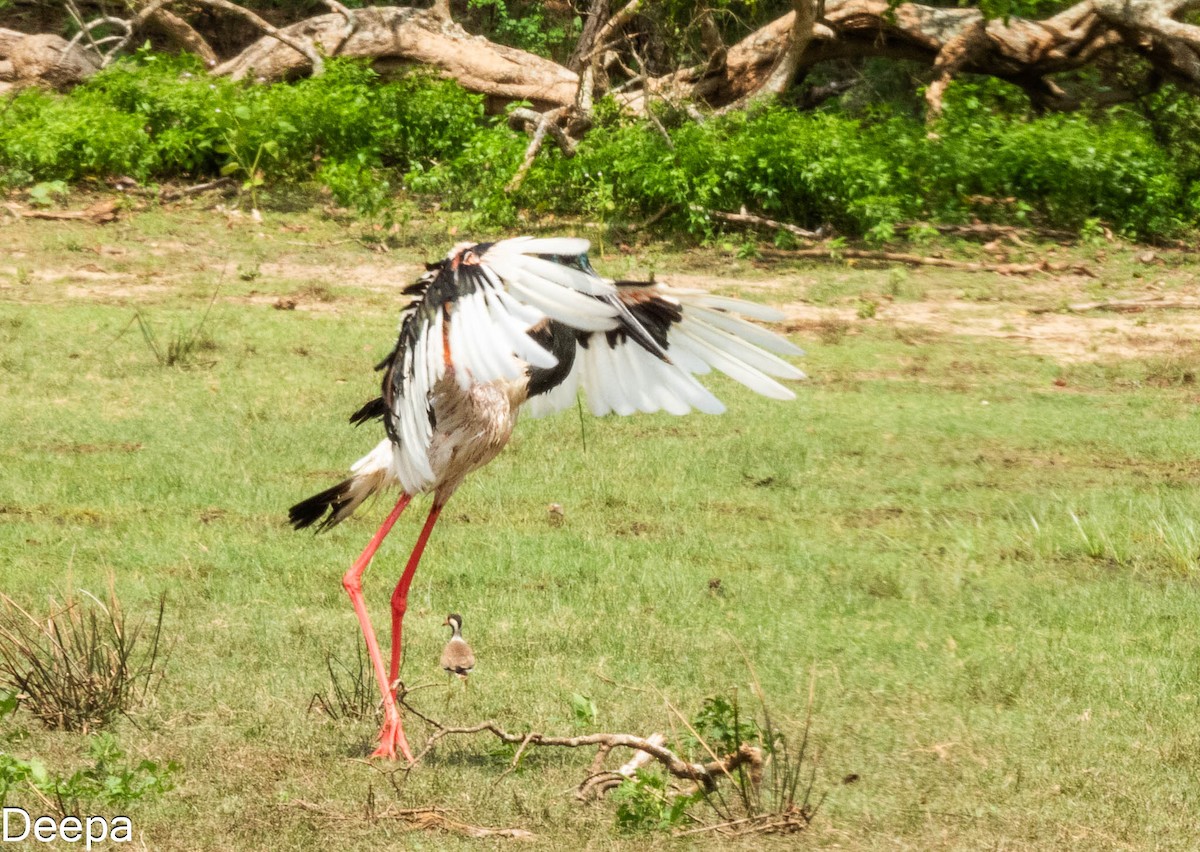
(399, 35)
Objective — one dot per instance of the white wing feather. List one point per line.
(623, 377)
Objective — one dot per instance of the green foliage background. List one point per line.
(860, 167)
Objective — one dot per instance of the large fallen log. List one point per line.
(950, 40)
(399, 35)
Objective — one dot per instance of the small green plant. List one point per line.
(764, 770)
(583, 710)
(645, 804)
(721, 725)
(48, 193)
(253, 176)
(81, 665)
(9, 701)
(107, 781)
(865, 308)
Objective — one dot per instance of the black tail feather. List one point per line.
(373, 410)
(308, 512)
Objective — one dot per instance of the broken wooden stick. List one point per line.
(706, 775)
(99, 213)
(988, 231)
(543, 123)
(426, 818)
(839, 254)
(1122, 306)
(171, 194)
(744, 218)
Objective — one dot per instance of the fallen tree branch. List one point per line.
(779, 79)
(705, 775)
(988, 231)
(789, 822)
(1027, 52)
(426, 818)
(543, 123)
(602, 38)
(841, 254)
(184, 35)
(300, 45)
(171, 194)
(1122, 306)
(744, 218)
(100, 213)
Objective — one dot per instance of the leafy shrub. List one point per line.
(157, 117)
(45, 138)
(1066, 168)
(645, 804)
(772, 795)
(861, 169)
(107, 781)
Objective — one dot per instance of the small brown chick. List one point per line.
(457, 657)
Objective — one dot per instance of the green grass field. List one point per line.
(979, 551)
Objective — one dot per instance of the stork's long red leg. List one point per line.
(352, 582)
(400, 595)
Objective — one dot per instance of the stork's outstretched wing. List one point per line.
(471, 315)
(696, 332)
(534, 309)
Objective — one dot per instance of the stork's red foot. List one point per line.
(391, 738)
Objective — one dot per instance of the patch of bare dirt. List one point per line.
(385, 276)
(114, 291)
(1067, 337)
(1056, 316)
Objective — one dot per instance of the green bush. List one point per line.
(47, 138)
(153, 117)
(860, 170)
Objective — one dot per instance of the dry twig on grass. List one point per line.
(99, 213)
(172, 194)
(744, 218)
(840, 254)
(430, 818)
(705, 775)
(989, 231)
(1122, 306)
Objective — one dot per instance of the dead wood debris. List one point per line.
(744, 218)
(430, 818)
(828, 252)
(841, 254)
(173, 194)
(542, 123)
(1122, 306)
(791, 821)
(990, 231)
(705, 775)
(99, 213)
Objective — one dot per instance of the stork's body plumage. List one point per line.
(526, 323)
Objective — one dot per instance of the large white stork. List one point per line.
(525, 322)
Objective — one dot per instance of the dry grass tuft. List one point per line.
(81, 665)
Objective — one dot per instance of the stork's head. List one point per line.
(463, 253)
